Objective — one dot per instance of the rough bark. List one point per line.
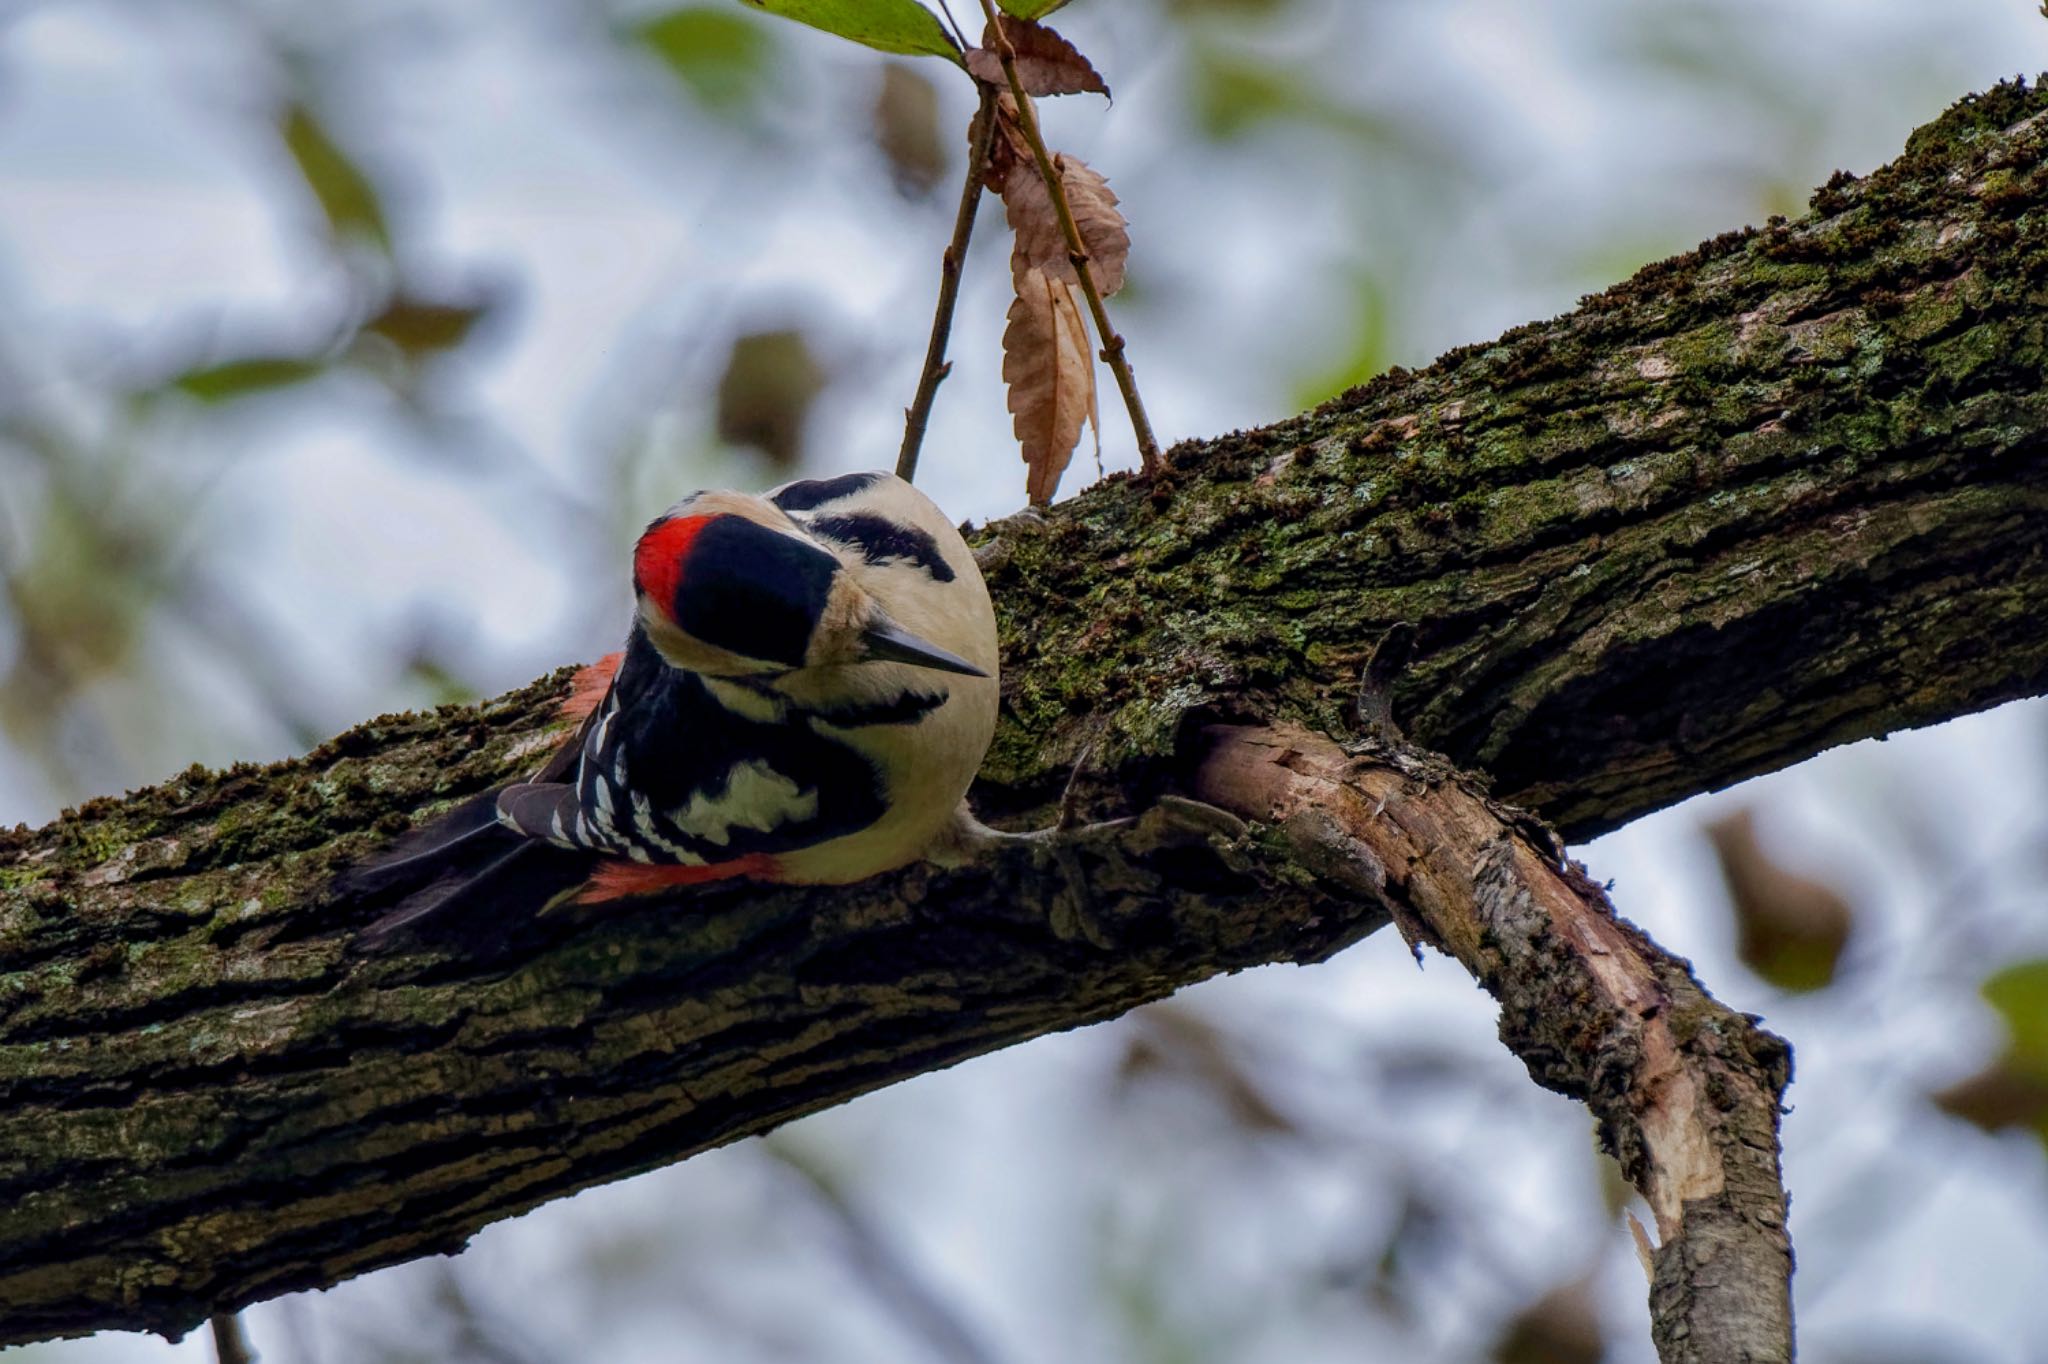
(1780, 493)
(1686, 1091)
(1766, 498)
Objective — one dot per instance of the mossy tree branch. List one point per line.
(1783, 492)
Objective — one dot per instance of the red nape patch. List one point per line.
(617, 880)
(658, 558)
(588, 686)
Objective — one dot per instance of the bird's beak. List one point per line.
(886, 640)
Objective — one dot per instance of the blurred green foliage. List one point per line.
(423, 326)
(240, 378)
(2013, 1090)
(2020, 995)
(1790, 929)
(723, 58)
(1364, 353)
(348, 199)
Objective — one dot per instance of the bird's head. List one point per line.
(729, 586)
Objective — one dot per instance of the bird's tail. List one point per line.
(467, 867)
(464, 870)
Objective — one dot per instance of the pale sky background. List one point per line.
(1532, 153)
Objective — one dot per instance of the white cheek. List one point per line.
(745, 702)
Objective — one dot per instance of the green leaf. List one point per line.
(722, 58)
(2020, 994)
(1029, 9)
(346, 195)
(1234, 95)
(421, 325)
(1367, 352)
(2013, 1090)
(239, 378)
(901, 26)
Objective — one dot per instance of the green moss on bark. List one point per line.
(1771, 425)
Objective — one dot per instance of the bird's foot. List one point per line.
(1081, 865)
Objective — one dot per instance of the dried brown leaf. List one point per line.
(906, 125)
(1042, 244)
(1051, 375)
(1177, 1043)
(765, 394)
(1790, 929)
(1102, 227)
(1006, 149)
(1561, 1327)
(1094, 409)
(2007, 1093)
(420, 326)
(1047, 64)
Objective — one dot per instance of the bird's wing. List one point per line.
(674, 769)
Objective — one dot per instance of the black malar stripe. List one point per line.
(905, 709)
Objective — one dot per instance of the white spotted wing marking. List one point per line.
(756, 797)
(646, 831)
(593, 742)
(561, 832)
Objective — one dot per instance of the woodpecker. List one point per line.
(808, 687)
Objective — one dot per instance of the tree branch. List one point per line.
(1781, 493)
(1686, 1091)
(1778, 494)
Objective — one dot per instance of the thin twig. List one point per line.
(476, 1337)
(881, 1263)
(959, 34)
(936, 366)
(1077, 250)
(230, 1346)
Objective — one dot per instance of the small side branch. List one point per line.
(230, 1345)
(1686, 1091)
(936, 367)
(1077, 250)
